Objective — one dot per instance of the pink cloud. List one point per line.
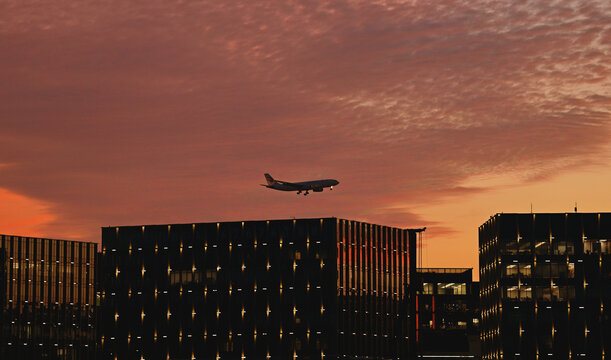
(125, 113)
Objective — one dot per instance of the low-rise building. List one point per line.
(322, 288)
(47, 299)
(448, 314)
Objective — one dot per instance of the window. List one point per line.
(563, 247)
(511, 292)
(543, 293)
(525, 293)
(211, 275)
(542, 270)
(185, 277)
(511, 270)
(559, 270)
(541, 247)
(571, 270)
(427, 288)
(597, 246)
(524, 247)
(451, 288)
(511, 248)
(525, 269)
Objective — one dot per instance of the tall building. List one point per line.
(545, 286)
(284, 289)
(47, 298)
(448, 314)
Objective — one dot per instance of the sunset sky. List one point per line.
(434, 114)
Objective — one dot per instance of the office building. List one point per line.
(448, 314)
(283, 289)
(545, 286)
(47, 298)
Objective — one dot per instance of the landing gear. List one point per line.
(331, 188)
(306, 193)
(298, 192)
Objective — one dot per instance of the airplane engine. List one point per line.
(317, 189)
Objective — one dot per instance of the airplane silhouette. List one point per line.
(306, 186)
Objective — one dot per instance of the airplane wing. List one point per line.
(297, 186)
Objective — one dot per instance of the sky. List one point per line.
(436, 114)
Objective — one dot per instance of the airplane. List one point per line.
(305, 186)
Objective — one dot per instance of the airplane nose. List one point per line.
(336, 182)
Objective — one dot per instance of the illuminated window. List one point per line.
(511, 292)
(571, 270)
(525, 269)
(525, 293)
(452, 288)
(511, 270)
(427, 288)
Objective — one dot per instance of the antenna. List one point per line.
(575, 207)
(531, 208)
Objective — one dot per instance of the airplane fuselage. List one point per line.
(304, 186)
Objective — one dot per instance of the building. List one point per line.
(448, 314)
(47, 298)
(284, 289)
(545, 286)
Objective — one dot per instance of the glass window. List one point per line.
(542, 270)
(541, 247)
(571, 270)
(543, 293)
(525, 293)
(511, 292)
(559, 270)
(524, 246)
(511, 270)
(451, 288)
(427, 288)
(563, 247)
(511, 247)
(460, 289)
(555, 293)
(525, 269)
(588, 246)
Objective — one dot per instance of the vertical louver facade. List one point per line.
(48, 298)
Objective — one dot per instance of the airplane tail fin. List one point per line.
(270, 179)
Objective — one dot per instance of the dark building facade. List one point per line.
(284, 289)
(448, 313)
(47, 299)
(545, 286)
